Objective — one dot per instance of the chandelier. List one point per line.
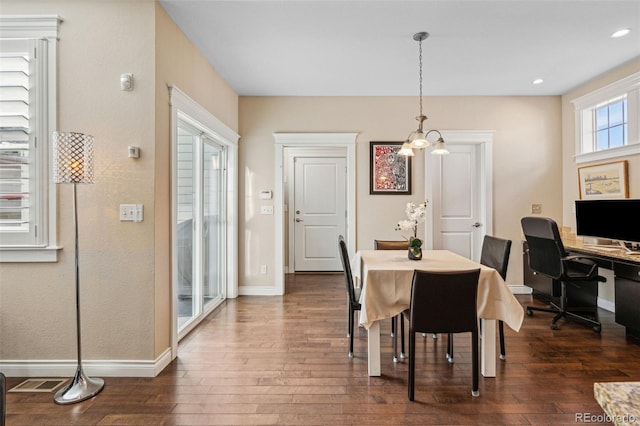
(418, 138)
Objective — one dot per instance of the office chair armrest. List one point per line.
(591, 261)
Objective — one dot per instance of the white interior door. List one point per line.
(319, 212)
(456, 201)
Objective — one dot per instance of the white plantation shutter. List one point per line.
(28, 115)
(16, 140)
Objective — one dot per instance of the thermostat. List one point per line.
(266, 195)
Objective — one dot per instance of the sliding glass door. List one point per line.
(200, 222)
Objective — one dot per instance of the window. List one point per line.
(611, 124)
(27, 117)
(608, 122)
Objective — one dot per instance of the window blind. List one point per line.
(16, 129)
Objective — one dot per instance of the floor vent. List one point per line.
(38, 385)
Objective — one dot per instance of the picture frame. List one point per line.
(605, 180)
(389, 173)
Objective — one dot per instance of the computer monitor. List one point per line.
(617, 219)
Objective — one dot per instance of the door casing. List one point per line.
(283, 141)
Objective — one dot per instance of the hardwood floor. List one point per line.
(283, 360)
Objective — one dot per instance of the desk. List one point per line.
(626, 268)
(386, 277)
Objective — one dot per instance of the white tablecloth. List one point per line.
(386, 277)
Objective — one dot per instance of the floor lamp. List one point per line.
(73, 163)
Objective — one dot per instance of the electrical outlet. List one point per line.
(266, 210)
(536, 208)
(263, 269)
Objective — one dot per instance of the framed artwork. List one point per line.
(389, 173)
(606, 180)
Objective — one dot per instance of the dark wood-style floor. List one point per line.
(283, 360)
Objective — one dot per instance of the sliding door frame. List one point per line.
(185, 108)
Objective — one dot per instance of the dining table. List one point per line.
(386, 276)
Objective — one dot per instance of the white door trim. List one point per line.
(310, 140)
(484, 140)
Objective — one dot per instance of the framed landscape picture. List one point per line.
(389, 173)
(607, 180)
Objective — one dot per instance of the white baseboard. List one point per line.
(67, 368)
(520, 289)
(249, 290)
(607, 305)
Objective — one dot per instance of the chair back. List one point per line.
(346, 267)
(495, 254)
(444, 302)
(545, 246)
(390, 245)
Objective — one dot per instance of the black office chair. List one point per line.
(394, 245)
(352, 291)
(443, 302)
(577, 276)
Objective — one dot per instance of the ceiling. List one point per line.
(366, 48)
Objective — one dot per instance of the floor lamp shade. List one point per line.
(72, 157)
(73, 163)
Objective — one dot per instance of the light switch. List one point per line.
(131, 212)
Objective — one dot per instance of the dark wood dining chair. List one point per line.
(394, 245)
(390, 245)
(494, 254)
(352, 292)
(443, 302)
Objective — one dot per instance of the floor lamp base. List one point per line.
(80, 388)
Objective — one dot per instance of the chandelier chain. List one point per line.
(420, 73)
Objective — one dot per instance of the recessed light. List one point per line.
(538, 81)
(621, 33)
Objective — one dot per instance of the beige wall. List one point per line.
(570, 169)
(526, 158)
(98, 41)
(124, 266)
(570, 191)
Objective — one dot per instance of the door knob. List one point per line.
(299, 220)
(476, 225)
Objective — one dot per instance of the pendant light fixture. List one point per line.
(418, 138)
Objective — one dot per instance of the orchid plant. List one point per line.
(415, 215)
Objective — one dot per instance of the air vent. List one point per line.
(38, 385)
